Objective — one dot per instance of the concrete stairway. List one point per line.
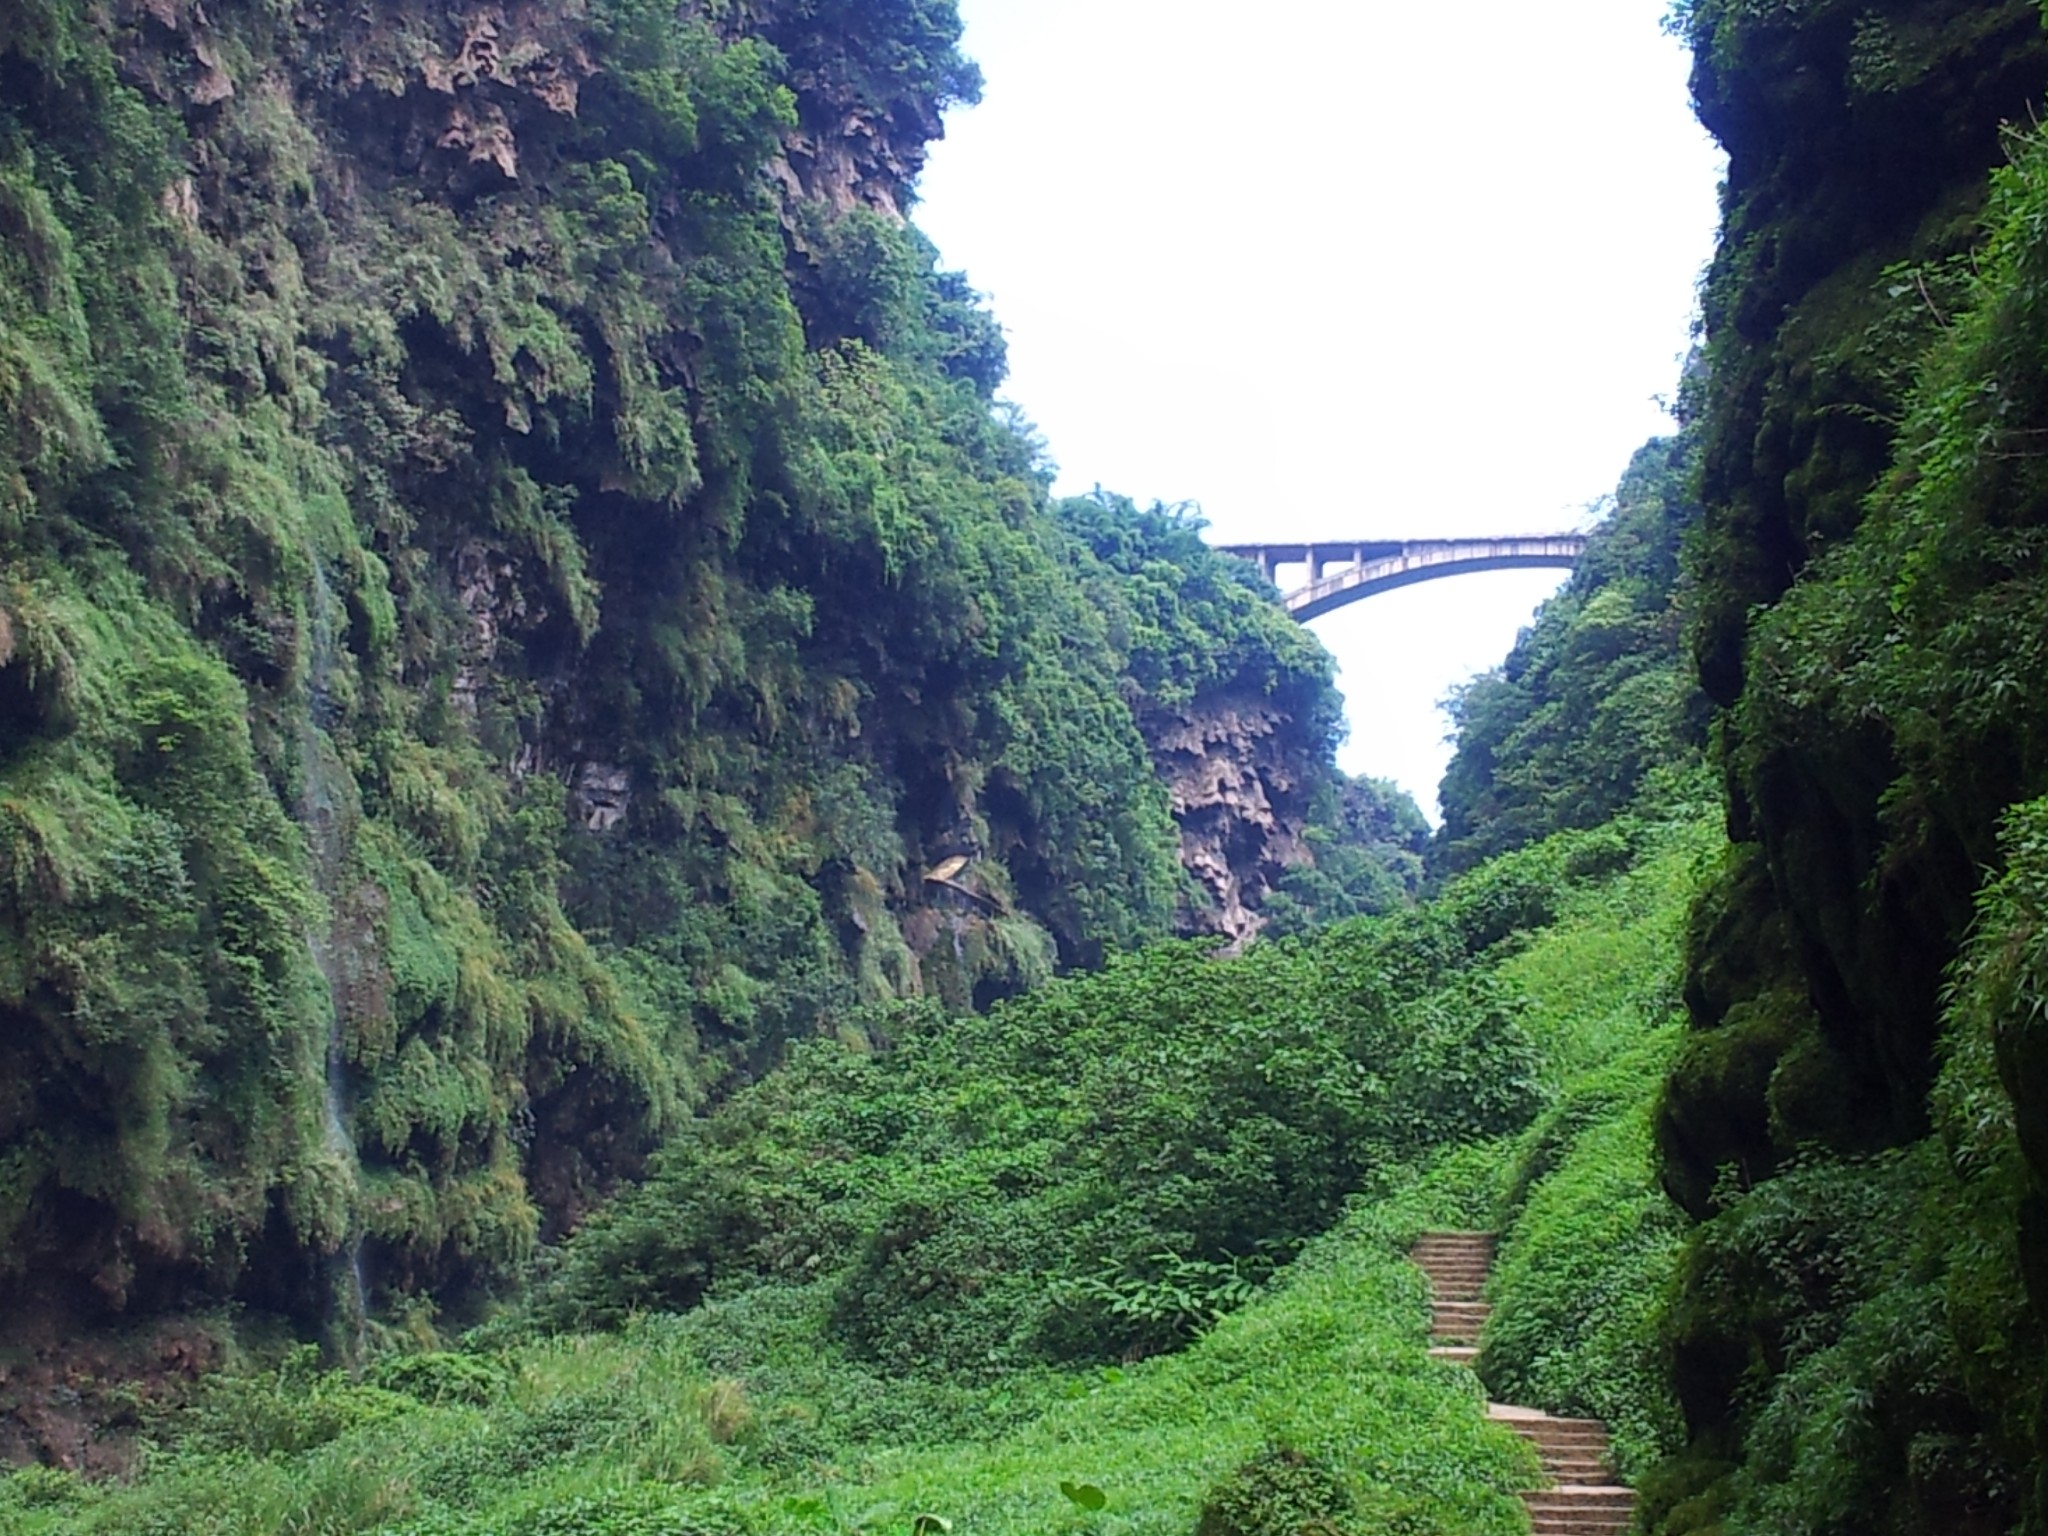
(1584, 1499)
(1457, 1264)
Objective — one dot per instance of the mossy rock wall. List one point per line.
(1867, 587)
(511, 576)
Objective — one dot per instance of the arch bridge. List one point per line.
(1344, 572)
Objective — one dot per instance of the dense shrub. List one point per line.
(287, 1411)
(1097, 1170)
(1279, 1492)
(1868, 1317)
(1104, 1167)
(907, 1262)
(1870, 602)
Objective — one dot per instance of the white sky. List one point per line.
(1353, 270)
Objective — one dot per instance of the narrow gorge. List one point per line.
(616, 921)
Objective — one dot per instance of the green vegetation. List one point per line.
(869, 1291)
(1588, 1239)
(510, 577)
(1594, 706)
(1092, 1172)
(616, 1436)
(1852, 1340)
(577, 825)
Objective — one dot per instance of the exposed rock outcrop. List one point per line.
(1239, 779)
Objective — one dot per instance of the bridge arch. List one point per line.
(1365, 569)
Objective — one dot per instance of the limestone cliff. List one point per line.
(1240, 783)
(511, 582)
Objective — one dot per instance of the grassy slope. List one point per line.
(1588, 1237)
(629, 1433)
(743, 1416)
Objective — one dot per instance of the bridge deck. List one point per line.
(1364, 568)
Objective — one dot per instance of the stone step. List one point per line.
(1572, 1456)
(1525, 1422)
(1592, 1472)
(1554, 1433)
(1520, 1418)
(1591, 1502)
(1583, 1499)
(1587, 1498)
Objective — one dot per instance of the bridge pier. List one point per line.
(1320, 558)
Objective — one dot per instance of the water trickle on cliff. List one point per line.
(323, 803)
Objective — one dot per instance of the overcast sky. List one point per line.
(1338, 270)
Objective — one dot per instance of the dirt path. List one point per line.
(1585, 1498)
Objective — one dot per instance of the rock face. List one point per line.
(587, 602)
(1862, 635)
(854, 162)
(1238, 777)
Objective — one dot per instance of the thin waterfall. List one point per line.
(323, 804)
